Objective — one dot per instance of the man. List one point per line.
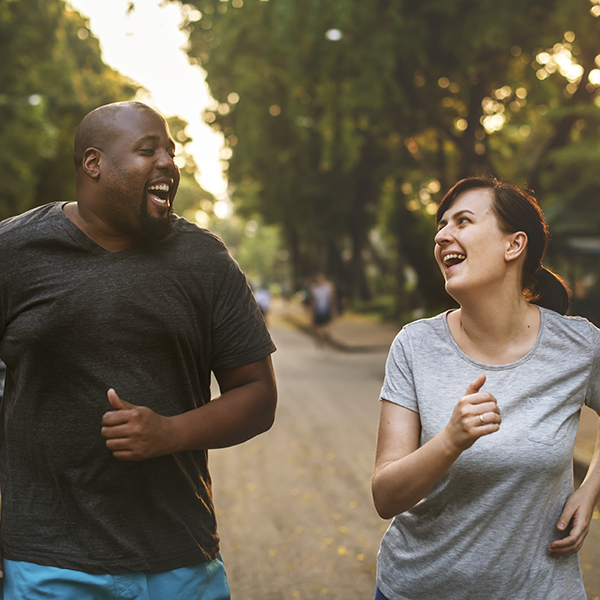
(114, 312)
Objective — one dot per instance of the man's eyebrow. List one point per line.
(149, 138)
(155, 138)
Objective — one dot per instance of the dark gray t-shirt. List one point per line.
(482, 531)
(75, 320)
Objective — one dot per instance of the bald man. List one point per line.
(113, 314)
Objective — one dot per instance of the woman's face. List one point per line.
(470, 247)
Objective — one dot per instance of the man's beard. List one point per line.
(154, 229)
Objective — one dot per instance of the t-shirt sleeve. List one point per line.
(398, 385)
(239, 333)
(592, 397)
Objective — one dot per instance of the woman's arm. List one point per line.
(404, 472)
(579, 508)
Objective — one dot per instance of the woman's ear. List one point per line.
(91, 162)
(517, 243)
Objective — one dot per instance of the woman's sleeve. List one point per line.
(592, 397)
(398, 385)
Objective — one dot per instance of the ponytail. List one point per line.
(547, 289)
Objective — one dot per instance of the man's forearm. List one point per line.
(234, 417)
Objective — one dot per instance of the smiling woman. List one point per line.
(513, 213)
(480, 407)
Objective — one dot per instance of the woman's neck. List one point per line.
(495, 332)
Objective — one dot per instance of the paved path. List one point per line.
(294, 505)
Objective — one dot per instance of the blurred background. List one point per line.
(340, 126)
(319, 136)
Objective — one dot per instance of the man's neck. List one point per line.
(96, 229)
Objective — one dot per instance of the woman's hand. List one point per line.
(476, 414)
(578, 512)
(406, 472)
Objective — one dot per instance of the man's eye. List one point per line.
(147, 150)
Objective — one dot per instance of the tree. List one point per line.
(51, 75)
(347, 116)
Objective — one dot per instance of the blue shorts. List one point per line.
(28, 581)
(379, 595)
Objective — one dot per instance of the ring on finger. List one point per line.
(481, 419)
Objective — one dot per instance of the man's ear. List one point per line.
(91, 162)
(516, 245)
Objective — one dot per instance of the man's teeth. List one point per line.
(162, 188)
(451, 257)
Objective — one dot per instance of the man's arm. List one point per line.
(245, 408)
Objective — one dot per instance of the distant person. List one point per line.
(113, 314)
(323, 308)
(263, 299)
(480, 407)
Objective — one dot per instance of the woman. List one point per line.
(479, 414)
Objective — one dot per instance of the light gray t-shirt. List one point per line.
(482, 532)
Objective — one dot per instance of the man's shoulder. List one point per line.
(28, 220)
(198, 242)
(196, 233)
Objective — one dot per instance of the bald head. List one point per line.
(98, 128)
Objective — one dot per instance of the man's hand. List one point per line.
(135, 432)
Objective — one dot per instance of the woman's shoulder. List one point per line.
(572, 321)
(434, 323)
(421, 330)
(571, 327)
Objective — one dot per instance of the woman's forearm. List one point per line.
(400, 484)
(592, 479)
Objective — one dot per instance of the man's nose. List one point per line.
(166, 161)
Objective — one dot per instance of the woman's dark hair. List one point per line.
(518, 210)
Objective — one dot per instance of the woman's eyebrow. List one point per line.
(458, 214)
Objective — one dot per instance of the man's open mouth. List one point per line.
(160, 192)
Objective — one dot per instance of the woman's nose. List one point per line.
(442, 236)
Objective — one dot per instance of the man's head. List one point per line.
(126, 175)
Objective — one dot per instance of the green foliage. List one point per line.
(191, 197)
(51, 75)
(334, 136)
